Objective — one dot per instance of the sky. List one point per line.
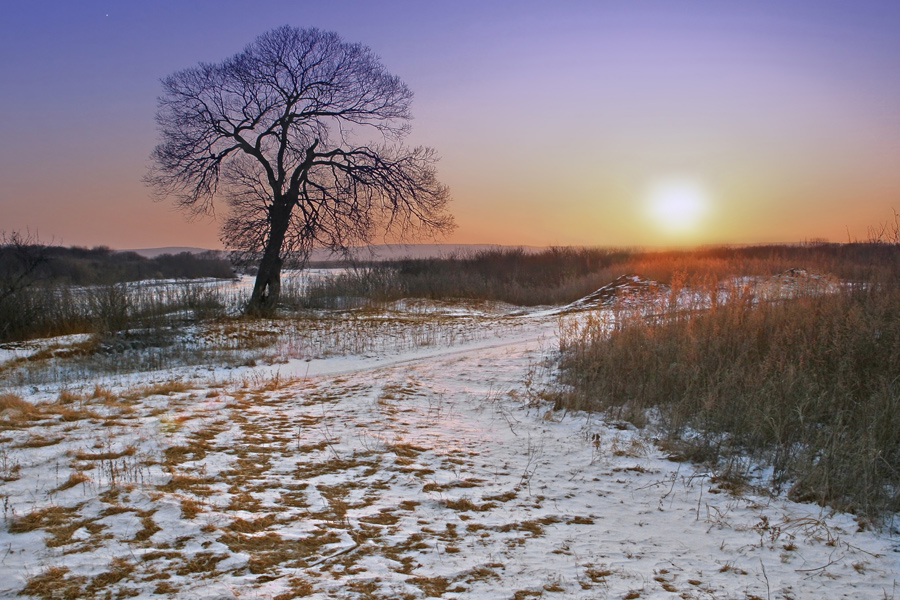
(594, 123)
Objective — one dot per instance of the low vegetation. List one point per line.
(102, 265)
(561, 275)
(50, 290)
(807, 386)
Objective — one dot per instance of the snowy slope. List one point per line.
(431, 472)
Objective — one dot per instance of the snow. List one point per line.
(409, 472)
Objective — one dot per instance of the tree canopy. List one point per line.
(302, 135)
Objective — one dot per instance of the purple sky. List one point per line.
(555, 121)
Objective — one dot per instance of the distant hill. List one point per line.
(398, 251)
(154, 252)
(102, 265)
(374, 252)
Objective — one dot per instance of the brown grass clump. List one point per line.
(469, 482)
(406, 450)
(465, 505)
(103, 394)
(39, 441)
(195, 450)
(334, 464)
(198, 486)
(164, 587)
(432, 587)
(60, 522)
(408, 505)
(299, 588)
(482, 573)
(190, 508)
(68, 397)
(68, 415)
(73, 480)
(54, 584)
(535, 526)
(268, 550)
(165, 388)
(127, 451)
(49, 517)
(580, 520)
(504, 497)
(119, 570)
(202, 562)
(16, 404)
(149, 526)
(597, 574)
(255, 526)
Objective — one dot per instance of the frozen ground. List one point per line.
(428, 471)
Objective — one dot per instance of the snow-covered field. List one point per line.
(426, 470)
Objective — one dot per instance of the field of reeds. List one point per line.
(562, 275)
(807, 387)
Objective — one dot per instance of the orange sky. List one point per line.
(555, 123)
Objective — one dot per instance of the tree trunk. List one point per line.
(267, 288)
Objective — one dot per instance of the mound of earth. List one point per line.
(625, 289)
(798, 281)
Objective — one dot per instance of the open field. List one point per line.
(418, 455)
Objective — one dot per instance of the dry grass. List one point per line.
(197, 485)
(73, 480)
(166, 388)
(561, 275)
(466, 505)
(255, 526)
(39, 441)
(15, 403)
(119, 569)
(299, 588)
(109, 455)
(334, 464)
(46, 518)
(190, 508)
(55, 583)
(67, 396)
(432, 587)
(148, 526)
(269, 550)
(806, 385)
(60, 522)
(202, 562)
(103, 394)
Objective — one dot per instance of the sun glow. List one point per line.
(677, 205)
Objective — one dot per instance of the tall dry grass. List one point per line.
(561, 275)
(62, 309)
(809, 386)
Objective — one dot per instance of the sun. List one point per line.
(677, 205)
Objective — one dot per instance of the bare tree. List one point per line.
(21, 257)
(302, 135)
